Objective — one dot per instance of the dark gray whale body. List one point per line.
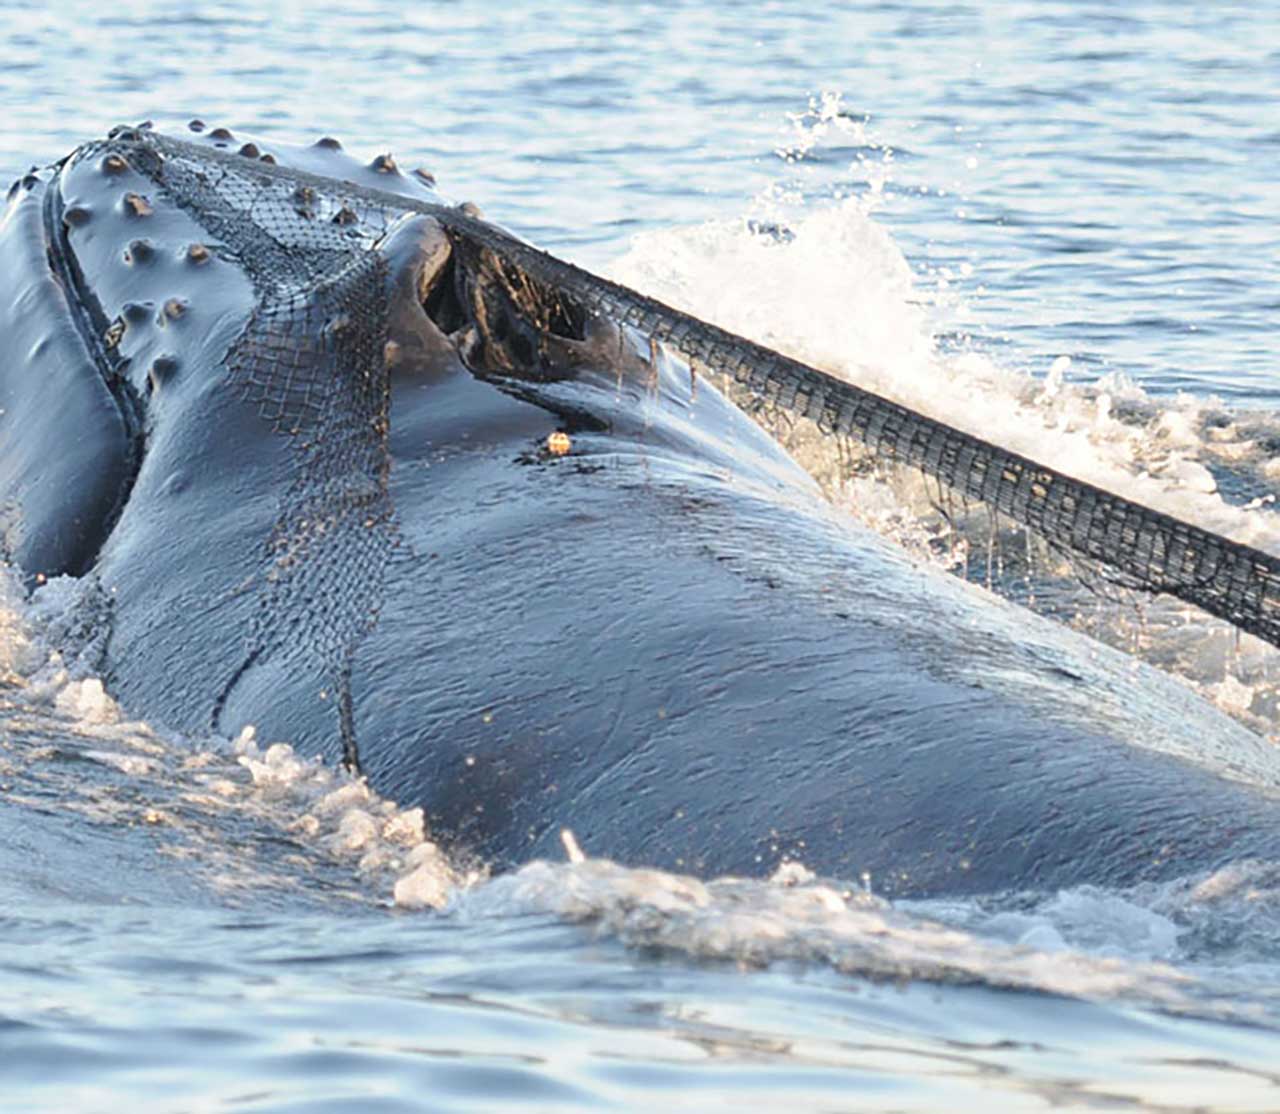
(294, 441)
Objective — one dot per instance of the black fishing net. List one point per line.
(312, 360)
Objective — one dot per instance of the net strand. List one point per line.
(305, 257)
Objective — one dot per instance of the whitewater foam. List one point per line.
(249, 819)
(838, 293)
(200, 788)
(832, 288)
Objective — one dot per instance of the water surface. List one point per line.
(1052, 220)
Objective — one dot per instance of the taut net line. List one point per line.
(1155, 551)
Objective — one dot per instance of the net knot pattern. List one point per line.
(311, 361)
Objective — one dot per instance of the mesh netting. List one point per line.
(311, 359)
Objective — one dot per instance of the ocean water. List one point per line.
(1054, 223)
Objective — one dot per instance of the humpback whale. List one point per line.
(328, 455)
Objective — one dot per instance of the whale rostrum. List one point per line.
(1162, 554)
(340, 459)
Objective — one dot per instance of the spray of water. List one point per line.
(822, 279)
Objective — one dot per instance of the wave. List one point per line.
(829, 286)
(246, 823)
(251, 821)
(236, 818)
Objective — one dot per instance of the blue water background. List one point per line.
(1065, 178)
(1111, 172)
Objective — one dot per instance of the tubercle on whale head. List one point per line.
(499, 322)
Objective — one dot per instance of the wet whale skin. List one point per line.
(663, 638)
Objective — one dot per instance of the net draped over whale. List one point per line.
(312, 357)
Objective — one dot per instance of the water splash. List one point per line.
(241, 817)
(831, 287)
